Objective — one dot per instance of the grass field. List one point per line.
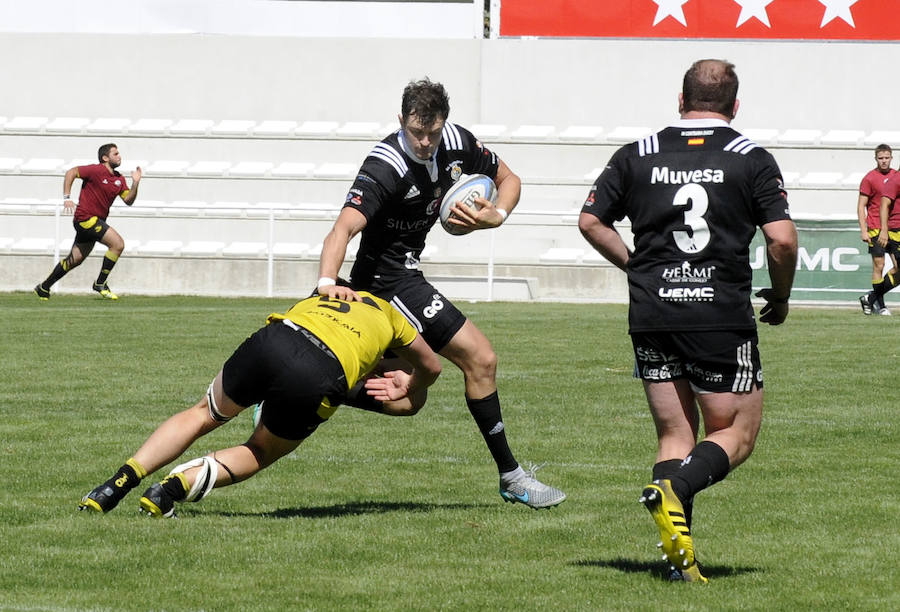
(380, 513)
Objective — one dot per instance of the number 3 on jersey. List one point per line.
(697, 239)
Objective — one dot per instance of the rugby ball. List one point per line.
(464, 191)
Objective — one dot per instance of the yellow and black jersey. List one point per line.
(357, 333)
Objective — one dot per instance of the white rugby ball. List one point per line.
(464, 191)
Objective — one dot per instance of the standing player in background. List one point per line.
(695, 193)
(301, 365)
(394, 202)
(101, 183)
(879, 228)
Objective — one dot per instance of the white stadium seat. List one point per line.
(225, 209)
(281, 129)
(6, 243)
(593, 257)
(232, 127)
(853, 179)
(292, 169)
(761, 136)
(335, 170)
(878, 137)
(319, 129)
(41, 166)
(363, 129)
(128, 165)
(821, 179)
(160, 247)
(843, 137)
(107, 125)
(250, 169)
(627, 133)
(245, 248)
(581, 132)
(25, 124)
(800, 137)
(562, 255)
(533, 132)
(203, 247)
(488, 131)
(33, 245)
(191, 127)
(10, 164)
(167, 166)
(208, 168)
(67, 125)
(790, 178)
(290, 249)
(152, 127)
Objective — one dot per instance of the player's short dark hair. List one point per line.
(883, 147)
(104, 150)
(426, 100)
(710, 85)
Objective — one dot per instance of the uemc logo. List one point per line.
(824, 259)
(687, 294)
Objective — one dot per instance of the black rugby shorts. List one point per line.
(90, 230)
(431, 313)
(281, 366)
(712, 361)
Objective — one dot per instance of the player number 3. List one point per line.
(697, 239)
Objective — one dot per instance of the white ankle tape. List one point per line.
(206, 477)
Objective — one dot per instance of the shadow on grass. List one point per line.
(660, 570)
(355, 508)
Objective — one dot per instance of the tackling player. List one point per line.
(695, 193)
(300, 366)
(394, 202)
(101, 184)
(881, 238)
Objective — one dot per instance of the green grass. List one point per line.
(378, 513)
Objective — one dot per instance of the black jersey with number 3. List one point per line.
(694, 193)
(400, 197)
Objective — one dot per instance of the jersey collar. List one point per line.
(700, 123)
(430, 164)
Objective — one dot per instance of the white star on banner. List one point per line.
(753, 8)
(835, 9)
(670, 8)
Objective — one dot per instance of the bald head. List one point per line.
(710, 86)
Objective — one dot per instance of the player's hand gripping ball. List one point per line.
(464, 191)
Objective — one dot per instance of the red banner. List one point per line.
(771, 19)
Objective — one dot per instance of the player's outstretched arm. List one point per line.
(334, 248)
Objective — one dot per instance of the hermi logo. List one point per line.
(680, 177)
(824, 259)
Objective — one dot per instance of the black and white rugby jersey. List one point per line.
(694, 193)
(400, 197)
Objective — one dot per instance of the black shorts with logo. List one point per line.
(432, 314)
(90, 230)
(289, 369)
(712, 361)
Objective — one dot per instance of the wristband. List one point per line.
(325, 282)
(503, 215)
(67, 197)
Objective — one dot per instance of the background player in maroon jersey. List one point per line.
(101, 184)
(868, 210)
(695, 193)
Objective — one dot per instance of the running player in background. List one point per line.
(695, 193)
(101, 184)
(394, 202)
(301, 365)
(881, 237)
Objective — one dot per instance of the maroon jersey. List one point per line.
(872, 186)
(99, 189)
